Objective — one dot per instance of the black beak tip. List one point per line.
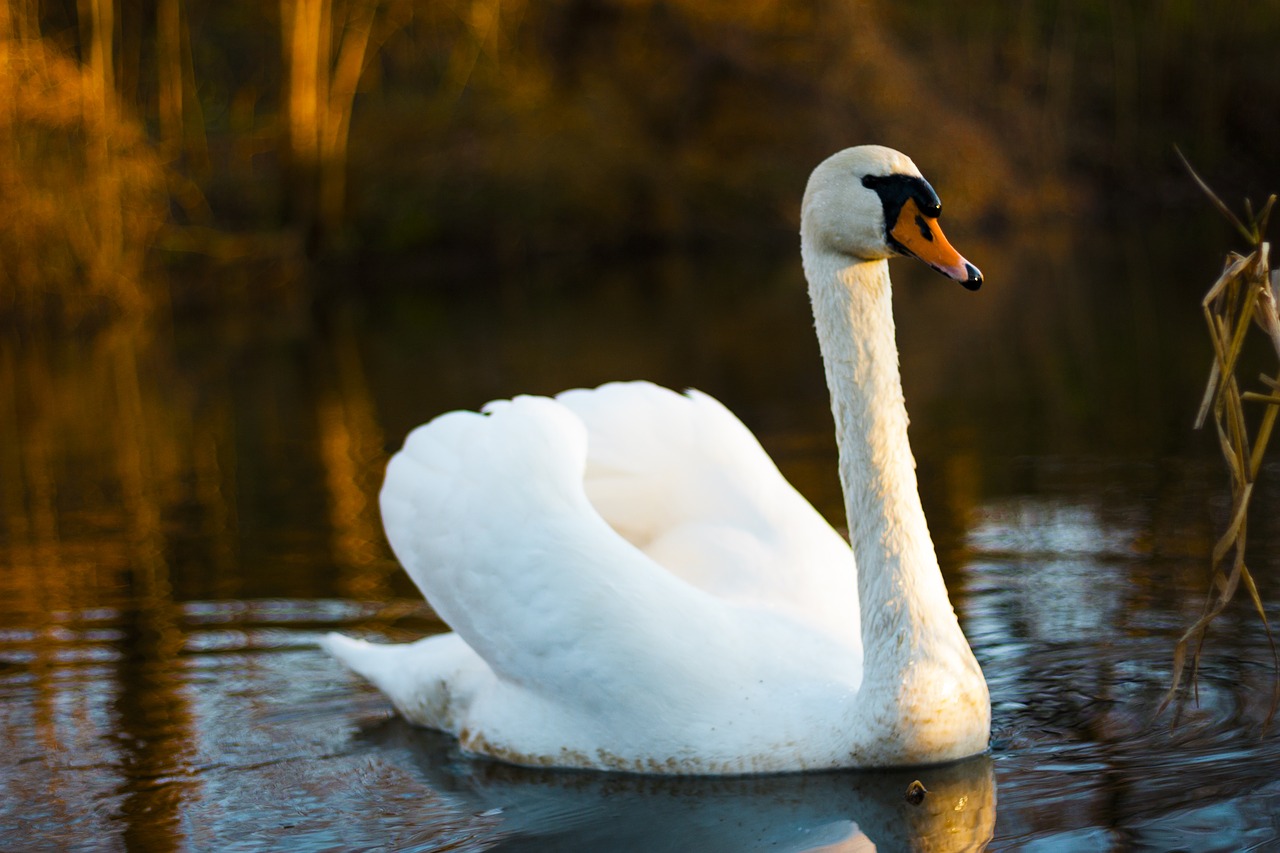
(974, 281)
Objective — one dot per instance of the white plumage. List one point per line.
(633, 585)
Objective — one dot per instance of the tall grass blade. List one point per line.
(1217, 202)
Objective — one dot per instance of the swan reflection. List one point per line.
(569, 810)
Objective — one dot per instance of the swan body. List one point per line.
(632, 584)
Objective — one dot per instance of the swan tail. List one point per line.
(370, 661)
(430, 682)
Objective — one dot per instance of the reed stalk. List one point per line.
(1244, 296)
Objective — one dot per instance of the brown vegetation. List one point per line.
(327, 47)
(1244, 295)
(500, 130)
(82, 192)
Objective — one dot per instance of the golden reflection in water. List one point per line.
(120, 500)
(153, 716)
(352, 453)
(90, 473)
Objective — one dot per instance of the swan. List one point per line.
(633, 586)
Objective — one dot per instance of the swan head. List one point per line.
(870, 203)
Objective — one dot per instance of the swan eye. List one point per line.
(895, 190)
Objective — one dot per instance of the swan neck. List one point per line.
(904, 606)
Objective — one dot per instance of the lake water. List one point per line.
(186, 508)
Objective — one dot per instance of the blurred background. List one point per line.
(149, 146)
(244, 241)
(245, 247)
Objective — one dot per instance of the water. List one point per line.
(184, 511)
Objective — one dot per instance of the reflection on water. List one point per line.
(572, 811)
(183, 511)
(1073, 604)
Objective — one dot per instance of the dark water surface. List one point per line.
(185, 510)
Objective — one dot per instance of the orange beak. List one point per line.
(920, 235)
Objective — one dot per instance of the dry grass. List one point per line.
(1245, 295)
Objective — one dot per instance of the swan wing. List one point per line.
(488, 515)
(683, 479)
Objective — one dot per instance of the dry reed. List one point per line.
(1245, 294)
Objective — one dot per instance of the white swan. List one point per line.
(634, 586)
